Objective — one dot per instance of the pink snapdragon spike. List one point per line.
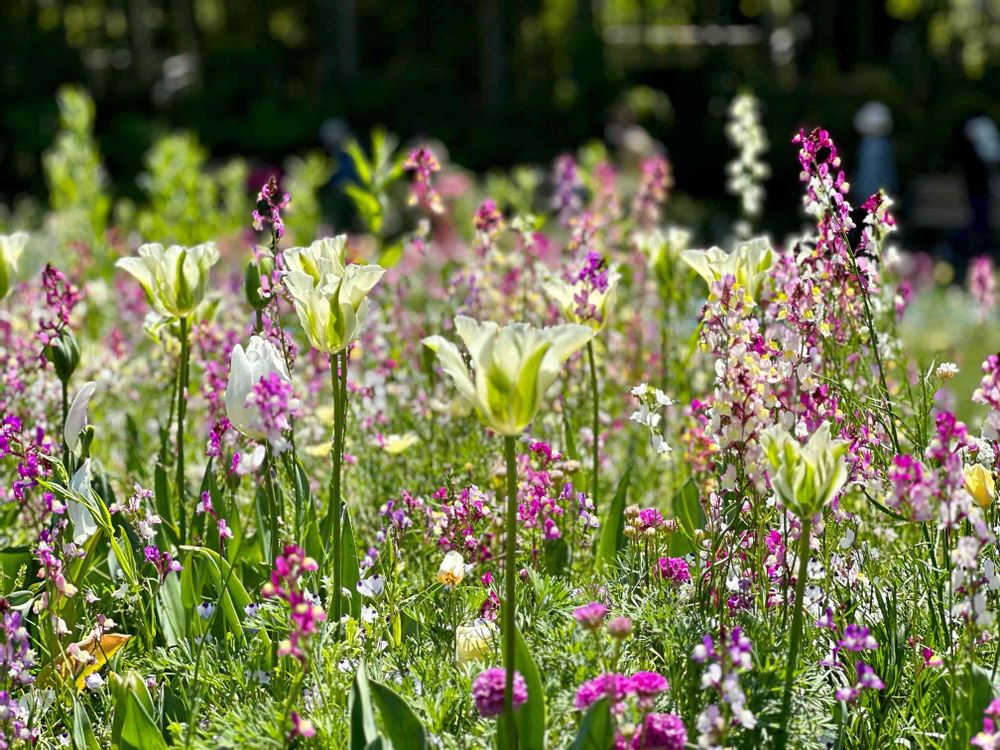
(982, 284)
(270, 203)
(422, 164)
(566, 191)
(654, 189)
(305, 613)
(488, 688)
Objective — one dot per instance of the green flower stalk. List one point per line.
(331, 301)
(805, 478)
(512, 368)
(175, 280)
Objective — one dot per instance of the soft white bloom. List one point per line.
(11, 248)
(94, 681)
(372, 586)
(452, 569)
(246, 368)
(946, 371)
(748, 170)
(76, 417)
(473, 642)
(206, 610)
(512, 367)
(663, 249)
(330, 297)
(749, 263)
(174, 278)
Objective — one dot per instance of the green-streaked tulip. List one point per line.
(568, 297)
(805, 477)
(332, 307)
(325, 256)
(662, 249)
(512, 367)
(749, 263)
(174, 278)
(11, 248)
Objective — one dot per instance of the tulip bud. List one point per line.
(64, 354)
(474, 641)
(251, 287)
(980, 485)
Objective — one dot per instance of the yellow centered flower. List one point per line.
(512, 367)
(11, 248)
(980, 484)
(174, 278)
(749, 263)
(805, 477)
(452, 569)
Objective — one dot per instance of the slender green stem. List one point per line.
(272, 501)
(509, 601)
(331, 524)
(65, 413)
(596, 424)
(182, 389)
(793, 650)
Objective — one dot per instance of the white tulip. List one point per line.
(452, 569)
(246, 368)
(749, 263)
(76, 417)
(174, 278)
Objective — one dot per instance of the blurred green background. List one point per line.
(501, 82)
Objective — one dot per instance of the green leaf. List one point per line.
(391, 255)
(359, 708)
(349, 564)
(81, 733)
(613, 528)
(133, 726)
(402, 726)
(689, 513)
(172, 613)
(597, 730)
(161, 496)
(530, 717)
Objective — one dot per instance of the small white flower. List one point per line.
(946, 371)
(206, 610)
(372, 586)
(94, 681)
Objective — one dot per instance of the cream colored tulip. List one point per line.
(11, 249)
(174, 278)
(512, 367)
(475, 641)
(331, 299)
(749, 263)
(246, 368)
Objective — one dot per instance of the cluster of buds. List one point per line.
(647, 524)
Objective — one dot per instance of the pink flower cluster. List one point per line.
(269, 205)
(285, 584)
(488, 688)
(422, 164)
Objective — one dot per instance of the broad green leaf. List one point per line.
(349, 562)
(173, 615)
(133, 726)
(402, 726)
(530, 717)
(613, 528)
(81, 732)
(359, 708)
(690, 515)
(597, 730)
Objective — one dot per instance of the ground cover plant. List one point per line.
(518, 465)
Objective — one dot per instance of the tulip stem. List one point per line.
(509, 602)
(596, 424)
(65, 414)
(331, 524)
(182, 388)
(793, 651)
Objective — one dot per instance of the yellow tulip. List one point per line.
(980, 484)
